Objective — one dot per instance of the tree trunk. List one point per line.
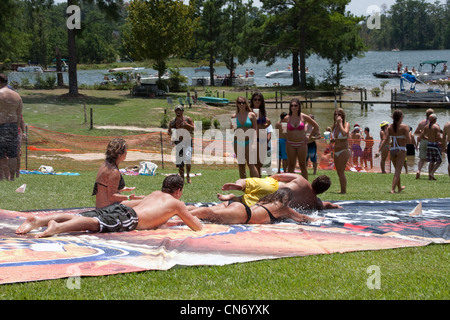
(59, 75)
(73, 80)
(295, 68)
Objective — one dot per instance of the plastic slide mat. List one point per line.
(361, 225)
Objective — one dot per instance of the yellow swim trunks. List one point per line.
(257, 188)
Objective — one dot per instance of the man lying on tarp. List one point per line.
(304, 193)
(151, 212)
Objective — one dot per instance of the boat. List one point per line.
(37, 69)
(214, 101)
(388, 74)
(153, 79)
(280, 74)
(433, 74)
(203, 69)
(406, 96)
(64, 66)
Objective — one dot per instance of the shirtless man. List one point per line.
(422, 143)
(10, 121)
(151, 212)
(446, 143)
(432, 134)
(304, 193)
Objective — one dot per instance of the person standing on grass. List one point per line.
(109, 183)
(385, 151)
(422, 142)
(10, 121)
(340, 133)
(150, 213)
(245, 138)
(446, 143)
(282, 155)
(368, 148)
(263, 123)
(183, 141)
(432, 133)
(312, 146)
(399, 133)
(296, 137)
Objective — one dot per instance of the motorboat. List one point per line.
(433, 73)
(214, 101)
(388, 74)
(406, 96)
(36, 69)
(280, 74)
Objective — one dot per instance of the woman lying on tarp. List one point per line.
(270, 209)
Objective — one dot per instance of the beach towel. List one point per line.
(361, 225)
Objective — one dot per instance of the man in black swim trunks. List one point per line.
(151, 212)
(10, 121)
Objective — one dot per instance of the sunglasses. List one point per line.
(256, 99)
(241, 102)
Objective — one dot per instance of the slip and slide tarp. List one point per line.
(361, 225)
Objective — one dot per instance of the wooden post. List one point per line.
(361, 98)
(281, 99)
(92, 120)
(306, 99)
(276, 99)
(162, 149)
(26, 146)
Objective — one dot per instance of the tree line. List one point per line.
(228, 31)
(411, 25)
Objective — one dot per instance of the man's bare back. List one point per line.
(10, 106)
(158, 207)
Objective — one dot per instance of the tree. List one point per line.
(112, 9)
(207, 34)
(296, 25)
(157, 30)
(340, 42)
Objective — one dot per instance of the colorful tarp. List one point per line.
(361, 225)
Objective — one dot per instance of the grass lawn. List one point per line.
(410, 273)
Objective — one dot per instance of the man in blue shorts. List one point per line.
(149, 213)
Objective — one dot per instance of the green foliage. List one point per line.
(157, 30)
(412, 25)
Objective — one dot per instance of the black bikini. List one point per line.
(121, 185)
(272, 218)
(247, 209)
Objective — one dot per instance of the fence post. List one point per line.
(92, 120)
(162, 149)
(26, 146)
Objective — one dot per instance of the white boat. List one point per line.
(222, 81)
(37, 69)
(153, 79)
(433, 74)
(281, 74)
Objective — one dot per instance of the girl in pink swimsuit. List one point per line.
(296, 139)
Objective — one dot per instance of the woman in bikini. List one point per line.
(296, 138)
(340, 132)
(244, 138)
(399, 133)
(257, 102)
(109, 182)
(270, 209)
